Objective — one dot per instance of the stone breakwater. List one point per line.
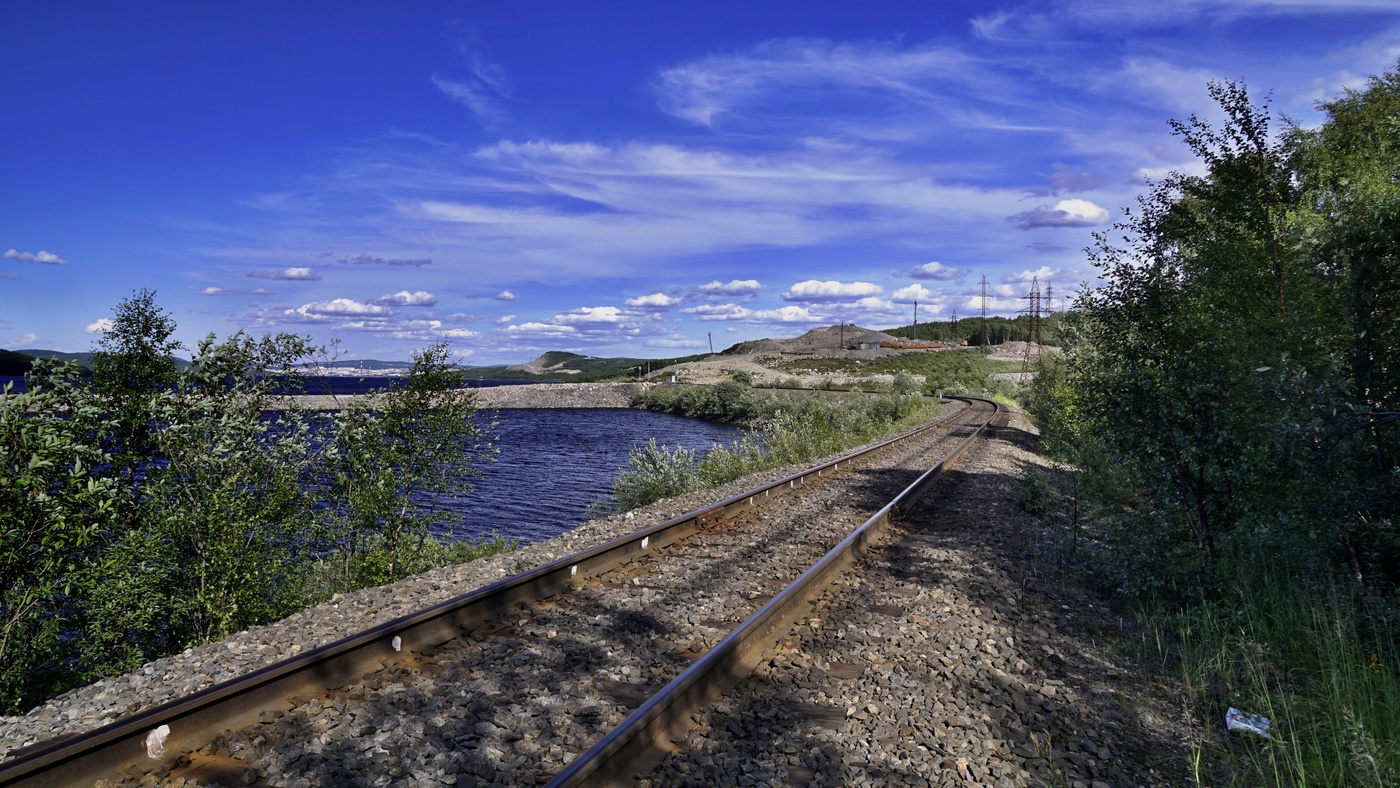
(527, 396)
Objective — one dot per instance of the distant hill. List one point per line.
(558, 365)
(13, 363)
(83, 359)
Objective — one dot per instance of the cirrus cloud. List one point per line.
(294, 274)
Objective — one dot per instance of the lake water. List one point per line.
(554, 463)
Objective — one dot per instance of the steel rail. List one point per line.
(189, 723)
(642, 740)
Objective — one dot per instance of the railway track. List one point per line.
(606, 653)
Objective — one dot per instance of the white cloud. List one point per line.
(675, 342)
(481, 90)
(504, 319)
(813, 290)
(936, 271)
(405, 298)
(219, 291)
(23, 340)
(365, 259)
(296, 274)
(99, 326)
(718, 312)
(542, 330)
(652, 301)
(41, 256)
(506, 295)
(336, 307)
(591, 314)
(1065, 213)
(460, 333)
(787, 314)
(735, 287)
(1044, 273)
(910, 294)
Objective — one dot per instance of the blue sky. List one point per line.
(615, 178)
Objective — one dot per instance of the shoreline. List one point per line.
(527, 396)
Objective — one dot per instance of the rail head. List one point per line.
(635, 743)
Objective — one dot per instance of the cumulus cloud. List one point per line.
(219, 291)
(735, 287)
(41, 256)
(1065, 213)
(337, 307)
(814, 291)
(936, 271)
(460, 333)
(653, 301)
(718, 312)
(99, 326)
(591, 314)
(787, 314)
(365, 259)
(506, 295)
(405, 298)
(910, 294)
(504, 319)
(297, 274)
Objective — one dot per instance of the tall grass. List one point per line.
(792, 432)
(1311, 658)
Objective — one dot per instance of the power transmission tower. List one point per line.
(953, 325)
(1033, 338)
(986, 340)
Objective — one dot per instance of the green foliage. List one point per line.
(654, 472)
(156, 506)
(394, 459)
(53, 509)
(792, 432)
(1229, 398)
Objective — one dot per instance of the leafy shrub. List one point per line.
(654, 472)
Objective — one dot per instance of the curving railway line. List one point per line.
(582, 671)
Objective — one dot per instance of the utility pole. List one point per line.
(916, 321)
(710, 337)
(842, 340)
(985, 339)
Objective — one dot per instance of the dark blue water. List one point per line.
(554, 463)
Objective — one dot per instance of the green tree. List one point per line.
(53, 509)
(132, 363)
(393, 461)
